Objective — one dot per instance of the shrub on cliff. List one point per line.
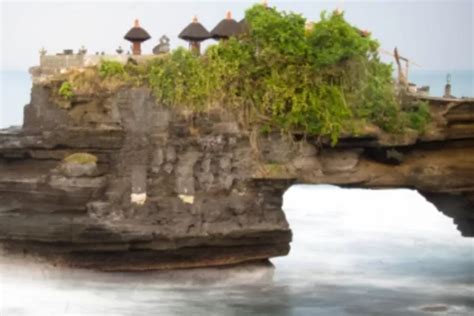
(66, 90)
(333, 40)
(282, 75)
(418, 116)
(179, 79)
(111, 69)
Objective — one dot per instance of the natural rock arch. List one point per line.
(204, 193)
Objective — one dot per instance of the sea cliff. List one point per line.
(119, 182)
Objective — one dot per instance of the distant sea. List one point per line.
(15, 89)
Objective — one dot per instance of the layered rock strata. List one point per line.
(175, 189)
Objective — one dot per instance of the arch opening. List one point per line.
(375, 241)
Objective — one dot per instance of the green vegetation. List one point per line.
(180, 79)
(66, 90)
(81, 158)
(323, 80)
(418, 117)
(112, 69)
(108, 77)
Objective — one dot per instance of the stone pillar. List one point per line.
(136, 48)
(447, 88)
(447, 91)
(195, 47)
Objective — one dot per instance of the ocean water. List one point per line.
(355, 252)
(462, 81)
(15, 89)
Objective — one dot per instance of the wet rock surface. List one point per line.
(172, 189)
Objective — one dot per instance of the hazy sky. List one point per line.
(437, 34)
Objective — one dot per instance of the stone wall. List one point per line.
(51, 65)
(58, 62)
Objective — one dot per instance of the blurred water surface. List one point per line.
(355, 252)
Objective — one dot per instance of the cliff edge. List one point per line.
(118, 182)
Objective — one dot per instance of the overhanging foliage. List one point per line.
(283, 75)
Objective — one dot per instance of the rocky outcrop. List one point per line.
(173, 189)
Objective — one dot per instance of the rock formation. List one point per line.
(167, 188)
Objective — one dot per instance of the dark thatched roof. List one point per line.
(226, 28)
(137, 34)
(194, 32)
(243, 27)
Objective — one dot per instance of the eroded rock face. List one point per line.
(163, 194)
(173, 189)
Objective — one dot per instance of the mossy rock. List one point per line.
(81, 159)
(79, 165)
(272, 171)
